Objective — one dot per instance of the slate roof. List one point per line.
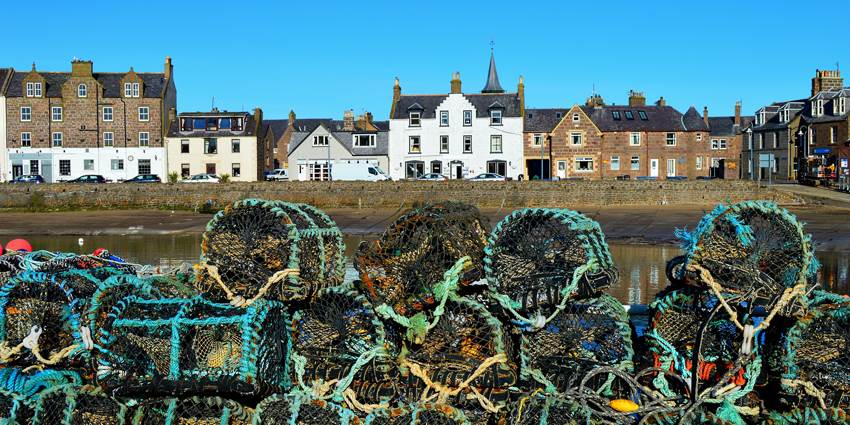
(543, 120)
(4, 72)
(277, 127)
(345, 138)
(248, 127)
(659, 118)
(111, 82)
(773, 122)
(492, 85)
(725, 126)
(694, 121)
(482, 102)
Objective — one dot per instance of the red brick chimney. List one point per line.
(661, 101)
(705, 114)
(738, 113)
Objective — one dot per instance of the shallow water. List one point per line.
(641, 266)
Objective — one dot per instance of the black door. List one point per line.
(17, 170)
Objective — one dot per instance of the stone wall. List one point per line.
(389, 194)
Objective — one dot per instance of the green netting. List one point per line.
(271, 249)
(584, 335)
(30, 382)
(538, 259)
(14, 408)
(189, 411)
(808, 416)
(179, 346)
(403, 267)
(298, 408)
(73, 405)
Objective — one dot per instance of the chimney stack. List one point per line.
(705, 114)
(291, 122)
(81, 68)
(396, 96)
(348, 120)
(520, 90)
(738, 113)
(455, 84)
(661, 101)
(636, 98)
(595, 101)
(168, 68)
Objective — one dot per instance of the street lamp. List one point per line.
(802, 155)
(749, 132)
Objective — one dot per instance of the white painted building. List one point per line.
(458, 134)
(217, 143)
(5, 74)
(63, 164)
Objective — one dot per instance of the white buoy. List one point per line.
(80, 241)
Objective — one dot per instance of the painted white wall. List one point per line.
(473, 163)
(307, 153)
(101, 161)
(223, 160)
(5, 170)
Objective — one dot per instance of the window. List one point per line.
(699, 163)
(415, 146)
(144, 113)
(117, 164)
(236, 124)
(576, 117)
(436, 167)
(414, 169)
(210, 146)
(320, 140)
(128, 89)
(64, 167)
(135, 89)
(775, 140)
(56, 113)
(144, 139)
(642, 115)
(575, 138)
(88, 165)
(236, 170)
(832, 131)
(467, 118)
(444, 144)
(842, 106)
(57, 140)
(212, 124)
(630, 115)
(557, 115)
(584, 164)
(467, 144)
(537, 140)
(37, 89)
(26, 140)
(496, 143)
(671, 139)
(562, 165)
(184, 146)
(444, 118)
(26, 113)
(235, 146)
(717, 144)
(364, 141)
(82, 90)
(496, 117)
(210, 168)
(107, 113)
(634, 139)
(615, 115)
(817, 108)
(497, 167)
(318, 171)
(415, 119)
(635, 163)
(699, 137)
(615, 163)
(34, 167)
(184, 171)
(108, 139)
(30, 89)
(144, 166)
(225, 123)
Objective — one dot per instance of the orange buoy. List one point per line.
(18, 245)
(623, 405)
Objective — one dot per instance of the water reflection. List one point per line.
(641, 266)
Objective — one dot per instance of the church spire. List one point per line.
(493, 85)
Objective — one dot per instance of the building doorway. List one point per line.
(671, 168)
(414, 169)
(562, 169)
(653, 168)
(718, 168)
(497, 167)
(437, 167)
(17, 170)
(538, 169)
(456, 168)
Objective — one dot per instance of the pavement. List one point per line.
(816, 195)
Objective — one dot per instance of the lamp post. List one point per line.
(752, 146)
(802, 153)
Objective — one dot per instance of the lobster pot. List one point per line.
(584, 335)
(440, 414)
(402, 267)
(677, 318)
(338, 337)
(298, 409)
(181, 346)
(808, 416)
(14, 408)
(31, 383)
(388, 416)
(190, 410)
(248, 245)
(56, 262)
(537, 259)
(10, 265)
(814, 351)
(752, 247)
(78, 405)
(540, 409)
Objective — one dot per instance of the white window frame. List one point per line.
(146, 115)
(111, 114)
(135, 89)
(698, 163)
(88, 165)
(537, 140)
(444, 143)
(615, 163)
(699, 137)
(832, 134)
(28, 139)
(467, 142)
(444, 118)
(64, 162)
(575, 135)
(237, 144)
(578, 159)
(671, 171)
(634, 163)
(496, 143)
(775, 140)
(37, 89)
(668, 139)
(414, 148)
(82, 90)
(634, 139)
(108, 139)
(842, 105)
(321, 140)
(30, 89)
(128, 89)
(56, 113)
(467, 118)
(576, 117)
(414, 117)
(370, 138)
(234, 167)
(495, 117)
(144, 139)
(26, 117)
(56, 137)
(116, 164)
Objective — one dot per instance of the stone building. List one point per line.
(636, 140)
(5, 77)
(317, 144)
(458, 134)
(726, 140)
(770, 143)
(279, 135)
(218, 142)
(536, 146)
(825, 142)
(63, 125)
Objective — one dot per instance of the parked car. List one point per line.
(89, 178)
(349, 170)
(277, 175)
(488, 177)
(145, 178)
(433, 177)
(29, 178)
(201, 178)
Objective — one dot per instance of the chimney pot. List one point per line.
(455, 84)
(636, 98)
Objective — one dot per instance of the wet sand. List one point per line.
(829, 226)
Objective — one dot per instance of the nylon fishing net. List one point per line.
(402, 267)
(752, 248)
(808, 416)
(191, 411)
(14, 408)
(271, 249)
(180, 346)
(298, 409)
(538, 259)
(72, 405)
(584, 335)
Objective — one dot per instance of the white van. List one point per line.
(343, 170)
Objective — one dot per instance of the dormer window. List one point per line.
(30, 89)
(558, 115)
(131, 89)
(629, 115)
(415, 119)
(37, 89)
(495, 117)
(817, 107)
(320, 140)
(841, 106)
(82, 90)
(642, 115)
(236, 124)
(576, 117)
(615, 115)
(364, 141)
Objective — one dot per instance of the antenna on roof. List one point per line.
(492, 44)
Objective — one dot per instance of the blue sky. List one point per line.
(320, 58)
